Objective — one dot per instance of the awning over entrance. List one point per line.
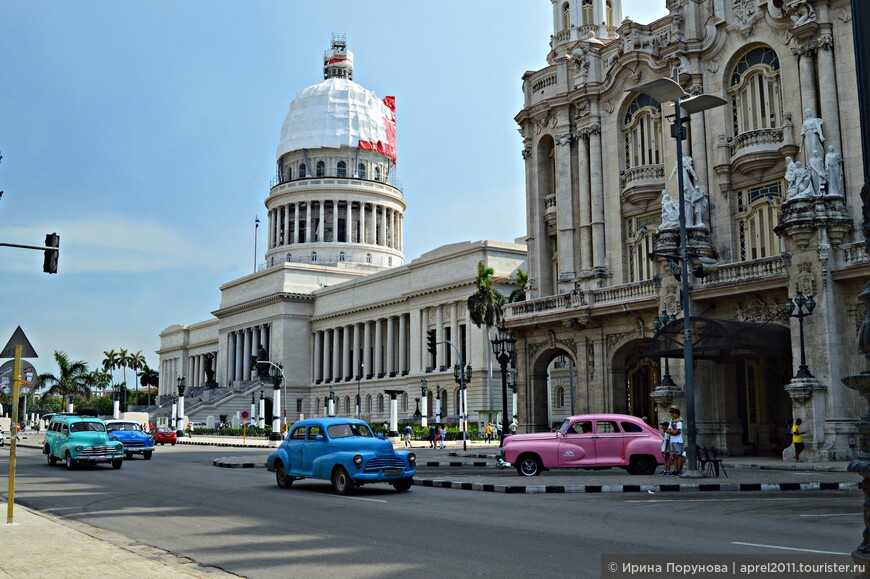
(722, 339)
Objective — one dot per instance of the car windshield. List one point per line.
(124, 426)
(347, 430)
(87, 426)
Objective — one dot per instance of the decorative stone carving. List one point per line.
(818, 173)
(834, 168)
(670, 212)
(583, 109)
(801, 12)
(608, 106)
(526, 153)
(693, 195)
(744, 11)
(812, 136)
(713, 65)
(799, 184)
(581, 62)
(590, 359)
(563, 138)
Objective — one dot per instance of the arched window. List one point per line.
(341, 170)
(642, 130)
(377, 173)
(639, 245)
(341, 256)
(317, 406)
(361, 171)
(369, 403)
(347, 405)
(303, 171)
(281, 171)
(313, 256)
(588, 15)
(445, 403)
(756, 101)
(368, 258)
(566, 16)
(289, 257)
(757, 215)
(609, 15)
(380, 403)
(321, 169)
(404, 402)
(289, 173)
(560, 397)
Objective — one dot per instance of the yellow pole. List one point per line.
(245, 434)
(13, 431)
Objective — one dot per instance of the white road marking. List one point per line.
(788, 548)
(364, 499)
(836, 515)
(704, 500)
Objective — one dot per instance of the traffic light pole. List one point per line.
(51, 249)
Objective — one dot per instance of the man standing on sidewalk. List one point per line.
(797, 436)
(407, 436)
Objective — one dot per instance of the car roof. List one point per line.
(74, 418)
(606, 417)
(328, 421)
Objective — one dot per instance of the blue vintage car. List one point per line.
(343, 451)
(131, 435)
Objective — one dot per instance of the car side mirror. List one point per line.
(319, 437)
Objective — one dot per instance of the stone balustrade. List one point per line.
(624, 293)
(579, 299)
(854, 253)
(756, 138)
(744, 271)
(643, 173)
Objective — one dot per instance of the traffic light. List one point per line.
(253, 364)
(430, 342)
(49, 262)
(706, 266)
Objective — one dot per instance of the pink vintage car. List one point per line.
(588, 441)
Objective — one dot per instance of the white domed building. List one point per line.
(335, 303)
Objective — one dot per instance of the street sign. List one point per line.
(28, 373)
(245, 415)
(18, 339)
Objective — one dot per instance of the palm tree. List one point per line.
(123, 362)
(148, 377)
(484, 306)
(99, 379)
(136, 361)
(519, 294)
(71, 380)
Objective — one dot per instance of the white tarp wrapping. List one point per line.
(338, 112)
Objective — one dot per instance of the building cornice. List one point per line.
(261, 301)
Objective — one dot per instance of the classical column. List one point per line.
(440, 357)
(231, 357)
(830, 110)
(390, 356)
(267, 339)
(345, 348)
(362, 222)
(585, 203)
(285, 239)
(255, 344)
(401, 232)
(597, 177)
(240, 354)
(373, 239)
(379, 348)
(454, 331)
(367, 348)
(246, 356)
(336, 351)
(334, 221)
(565, 213)
(308, 234)
(321, 225)
(807, 65)
(325, 360)
(317, 372)
(403, 345)
(272, 225)
(348, 221)
(296, 223)
(356, 352)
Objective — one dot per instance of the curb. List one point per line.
(664, 488)
(220, 462)
(436, 463)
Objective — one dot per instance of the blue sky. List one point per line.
(144, 133)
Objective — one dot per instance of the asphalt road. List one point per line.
(238, 519)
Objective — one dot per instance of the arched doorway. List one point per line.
(642, 375)
(548, 395)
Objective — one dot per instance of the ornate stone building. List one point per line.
(335, 303)
(771, 184)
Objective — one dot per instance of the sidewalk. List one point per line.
(42, 545)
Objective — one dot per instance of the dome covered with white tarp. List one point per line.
(338, 112)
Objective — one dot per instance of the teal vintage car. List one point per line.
(343, 451)
(80, 440)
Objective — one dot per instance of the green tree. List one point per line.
(519, 294)
(70, 381)
(136, 361)
(123, 363)
(484, 305)
(149, 377)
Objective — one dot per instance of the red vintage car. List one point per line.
(164, 434)
(588, 441)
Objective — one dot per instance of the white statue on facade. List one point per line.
(696, 206)
(670, 212)
(800, 184)
(811, 134)
(834, 166)
(689, 176)
(818, 173)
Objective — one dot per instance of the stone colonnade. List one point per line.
(241, 345)
(338, 222)
(196, 367)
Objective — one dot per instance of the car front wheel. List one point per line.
(68, 461)
(529, 466)
(147, 455)
(403, 485)
(341, 482)
(52, 460)
(117, 463)
(284, 481)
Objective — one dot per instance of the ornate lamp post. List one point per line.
(359, 376)
(330, 408)
(503, 348)
(438, 404)
(179, 420)
(798, 303)
(658, 323)
(424, 390)
(663, 90)
(462, 377)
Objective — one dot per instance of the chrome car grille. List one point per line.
(98, 451)
(380, 462)
(133, 443)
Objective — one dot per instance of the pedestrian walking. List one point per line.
(797, 436)
(407, 436)
(190, 429)
(431, 436)
(442, 434)
(676, 432)
(514, 426)
(488, 437)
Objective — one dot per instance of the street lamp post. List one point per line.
(462, 377)
(663, 90)
(359, 376)
(179, 420)
(330, 403)
(438, 404)
(424, 391)
(503, 348)
(798, 303)
(658, 323)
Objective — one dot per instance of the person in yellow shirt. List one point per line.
(797, 436)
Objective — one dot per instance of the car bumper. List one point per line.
(139, 449)
(381, 476)
(97, 459)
